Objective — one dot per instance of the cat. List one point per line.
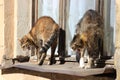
(42, 36)
(88, 39)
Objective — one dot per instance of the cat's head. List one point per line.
(78, 42)
(25, 43)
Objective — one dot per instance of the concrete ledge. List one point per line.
(67, 68)
(23, 74)
(67, 71)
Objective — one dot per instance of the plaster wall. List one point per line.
(117, 43)
(22, 21)
(9, 28)
(15, 22)
(117, 24)
(1, 28)
(6, 28)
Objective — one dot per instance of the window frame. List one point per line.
(64, 6)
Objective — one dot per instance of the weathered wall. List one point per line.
(117, 45)
(22, 21)
(6, 28)
(15, 21)
(9, 27)
(1, 29)
(117, 23)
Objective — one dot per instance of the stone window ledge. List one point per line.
(69, 68)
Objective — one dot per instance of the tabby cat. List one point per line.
(42, 36)
(88, 39)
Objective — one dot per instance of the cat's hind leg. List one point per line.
(52, 57)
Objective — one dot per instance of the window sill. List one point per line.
(69, 68)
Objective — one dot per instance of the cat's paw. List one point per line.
(40, 62)
(51, 62)
(87, 66)
(82, 64)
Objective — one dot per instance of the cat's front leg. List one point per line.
(90, 63)
(42, 58)
(81, 63)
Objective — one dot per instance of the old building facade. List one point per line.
(16, 20)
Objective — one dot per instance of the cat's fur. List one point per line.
(42, 36)
(89, 38)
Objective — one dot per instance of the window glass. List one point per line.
(76, 11)
(49, 8)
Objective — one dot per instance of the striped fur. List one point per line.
(89, 36)
(47, 45)
(42, 36)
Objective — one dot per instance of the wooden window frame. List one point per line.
(62, 23)
(34, 11)
(63, 11)
(100, 7)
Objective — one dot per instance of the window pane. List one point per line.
(77, 9)
(49, 8)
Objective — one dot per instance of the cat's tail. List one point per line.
(50, 41)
